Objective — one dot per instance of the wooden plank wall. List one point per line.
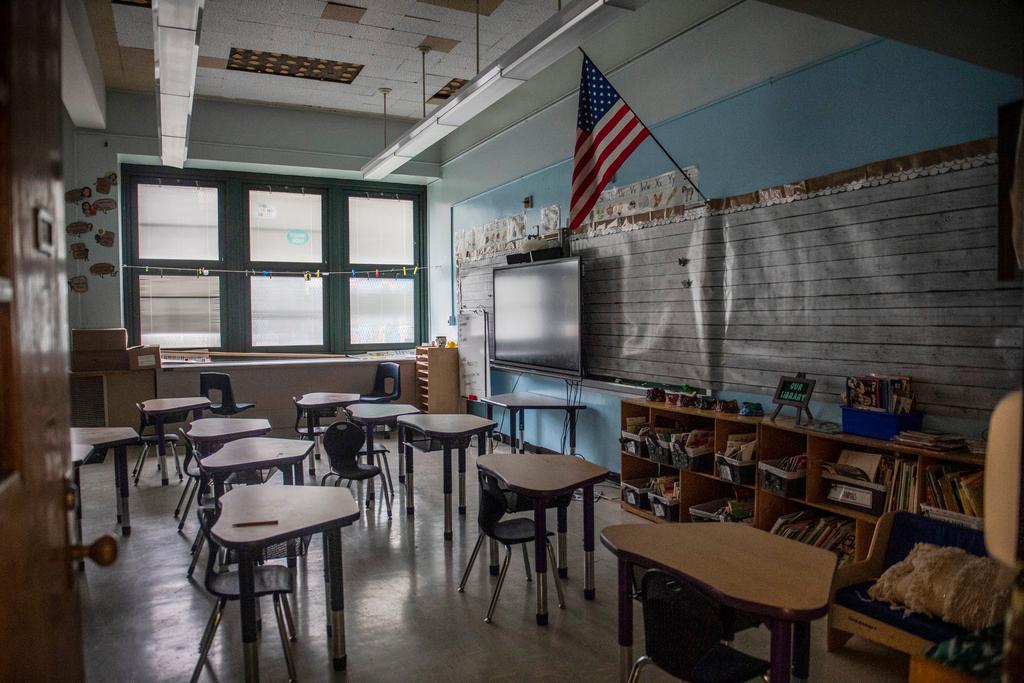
(896, 278)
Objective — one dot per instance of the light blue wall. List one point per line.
(882, 100)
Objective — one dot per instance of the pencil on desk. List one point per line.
(267, 522)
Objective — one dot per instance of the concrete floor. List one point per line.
(143, 619)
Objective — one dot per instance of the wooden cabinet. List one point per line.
(437, 380)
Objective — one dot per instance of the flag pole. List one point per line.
(658, 143)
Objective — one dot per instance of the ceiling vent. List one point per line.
(280, 64)
(445, 93)
(337, 11)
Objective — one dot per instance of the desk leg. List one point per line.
(332, 539)
(121, 474)
(522, 431)
(589, 591)
(782, 648)
(312, 437)
(247, 601)
(490, 416)
(625, 620)
(447, 477)
(401, 453)
(563, 551)
(409, 495)
(161, 448)
(801, 650)
(76, 474)
(369, 461)
(288, 475)
(297, 477)
(572, 432)
(540, 558)
(462, 479)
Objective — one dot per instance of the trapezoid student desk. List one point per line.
(520, 402)
(785, 582)
(157, 411)
(453, 431)
(86, 440)
(543, 478)
(286, 513)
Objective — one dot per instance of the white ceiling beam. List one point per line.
(552, 40)
(82, 88)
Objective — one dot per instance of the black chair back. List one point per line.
(342, 442)
(681, 623)
(386, 371)
(493, 504)
(219, 382)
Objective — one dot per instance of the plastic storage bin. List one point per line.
(708, 512)
(634, 444)
(782, 482)
(681, 459)
(855, 494)
(634, 492)
(664, 508)
(736, 471)
(877, 424)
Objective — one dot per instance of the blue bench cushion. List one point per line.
(856, 598)
(908, 530)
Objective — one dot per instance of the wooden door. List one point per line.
(40, 629)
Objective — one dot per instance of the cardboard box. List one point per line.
(109, 339)
(93, 361)
(144, 357)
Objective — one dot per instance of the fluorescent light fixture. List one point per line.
(176, 26)
(173, 151)
(552, 40)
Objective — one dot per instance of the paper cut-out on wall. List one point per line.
(79, 228)
(103, 205)
(104, 238)
(79, 284)
(104, 183)
(78, 195)
(103, 269)
(79, 251)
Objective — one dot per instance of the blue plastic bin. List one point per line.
(879, 425)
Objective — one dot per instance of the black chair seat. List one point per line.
(359, 473)
(268, 579)
(374, 398)
(514, 531)
(318, 431)
(722, 664)
(152, 438)
(246, 478)
(377, 450)
(220, 409)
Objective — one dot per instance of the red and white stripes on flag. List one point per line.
(607, 132)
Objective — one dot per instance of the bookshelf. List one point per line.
(437, 379)
(776, 440)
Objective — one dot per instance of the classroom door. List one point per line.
(40, 627)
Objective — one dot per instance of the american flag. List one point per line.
(607, 132)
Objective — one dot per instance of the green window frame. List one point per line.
(234, 246)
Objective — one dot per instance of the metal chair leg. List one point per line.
(558, 580)
(142, 462)
(177, 462)
(211, 631)
(286, 644)
(188, 506)
(472, 559)
(387, 471)
(195, 555)
(638, 665)
(501, 581)
(181, 498)
(526, 562)
(288, 617)
(384, 493)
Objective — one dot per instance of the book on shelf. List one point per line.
(902, 494)
(955, 490)
(830, 532)
(935, 441)
(881, 393)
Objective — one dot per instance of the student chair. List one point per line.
(151, 440)
(302, 429)
(193, 478)
(380, 394)
(270, 579)
(221, 383)
(683, 633)
(517, 531)
(342, 442)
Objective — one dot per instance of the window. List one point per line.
(382, 311)
(287, 311)
(179, 311)
(243, 262)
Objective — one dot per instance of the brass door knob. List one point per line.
(102, 551)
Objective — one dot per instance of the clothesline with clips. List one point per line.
(403, 271)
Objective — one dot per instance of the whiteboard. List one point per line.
(474, 369)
